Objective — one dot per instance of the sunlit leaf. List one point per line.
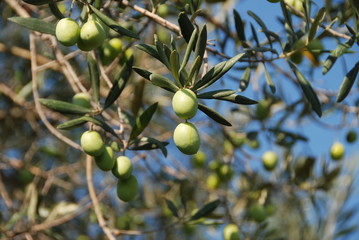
(63, 107)
(163, 82)
(35, 24)
(315, 25)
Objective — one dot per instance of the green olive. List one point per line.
(67, 32)
(110, 50)
(127, 188)
(351, 136)
(92, 143)
(199, 159)
(92, 35)
(257, 212)
(122, 168)
(337, 151)
(187, 138)
(185, 103)
(231, 232)
(82, 99)
(106, 160)
(213, 181)
(269, 160)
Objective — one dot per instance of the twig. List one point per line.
(5, 195)
(53, 130)
(95, 200)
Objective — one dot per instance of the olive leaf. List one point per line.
(190, 46)
(336, 53)
(163, 82)
(269, 79)
(238, 99)
(201, 43)
(119, 84)
(112, 23)
(172, 207)
(239, 26)
(77, 122)
(317, 20)
(174, 62)
(142, 72)
(56, 11)
(214, 115)
(35, 24)
(205, 210)
(348, 83)
(255, 36)
(64, 107)
(244, 81)
(186, 26)
(216, 94)
(94, 77)
(161, 50)
(147, 143)
(142, 121)
(307, 89)
(149, 49)
(40, 2)
(262, 24)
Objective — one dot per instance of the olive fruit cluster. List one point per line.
(185, 136)
(221, 173)
(90, 36)
(121, 166)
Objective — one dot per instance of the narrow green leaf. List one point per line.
(186, 26)
(269, 79)
(35, 24)
(56, 11)
(255, 36)
(262, 24)
(272, 34)
(218, 72)
(77, 122)
(63, 107)
(119, 84)
(201, 43)
(206, 209)
(238, 99)
(196, 65)
(172, 207)
(216, 94)
(211, 74)
(142, 121)
(243, 83)
(94, 77)
(336, 53)
(317, 20)
(142, 72)
(40, 2)
(149, 49)
(287, 16)
(161, 53)
(348, 83)
(146, 143)
(161, 81)
(174, 62)
(73, 123)
(113, 24)
(239, 26)
(100, 123)
(261, 49)
(307, 90)
(190, 47)
(214, 115)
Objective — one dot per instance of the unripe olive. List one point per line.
(106, 160)
(185, 103)
(257, 212)
(127, 188)
(92, 35)
(225, 172)
(67, 32)
(269, 160)
(199, 159)
(231, 232)
(82, 99)
(297, 4)
(111, 49)
(162, 10)
(92, 143)
(351, 136)
(186, 138)
(122, 168)
(337, 151)
(213, 181)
